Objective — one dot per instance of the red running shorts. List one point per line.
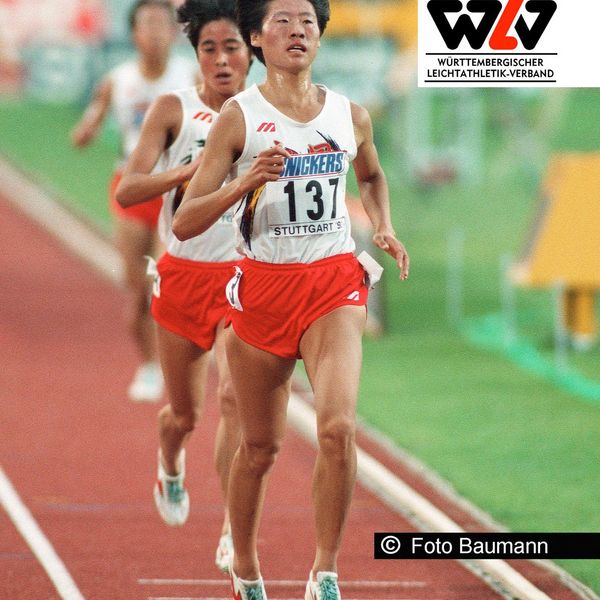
(145, 212)
(188, 297)
(279, 302)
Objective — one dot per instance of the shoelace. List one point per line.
(254, 592)
(329, 589)
(174, 491)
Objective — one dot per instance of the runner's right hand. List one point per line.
(267, 166)
(187, 171)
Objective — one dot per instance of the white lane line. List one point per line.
(402, 498)
(227, 598)
(79, 237)
(286, 583)
(37, 541)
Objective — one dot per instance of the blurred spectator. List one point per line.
(89, 20)
(39, 21)
(11, 68)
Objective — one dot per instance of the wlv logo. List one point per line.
(496, 18)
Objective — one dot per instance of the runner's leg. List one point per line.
(262, 384)
(135, 240)
(184, 365)
(228, 430)
(332, 353)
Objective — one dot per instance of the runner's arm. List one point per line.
(206, 198)
(88, 127)
(161, 127)
(374, 192)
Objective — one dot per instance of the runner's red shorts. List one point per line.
(188, 297)
(280, 301)
(145, 212)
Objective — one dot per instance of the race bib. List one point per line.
(309, 197)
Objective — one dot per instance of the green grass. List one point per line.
(35, 136)
(514, 444)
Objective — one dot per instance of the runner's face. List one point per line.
(290, 34)
(224, 58)
(154, 32)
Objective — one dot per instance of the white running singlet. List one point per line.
(302, 217)
(132, 94)
(216, 244)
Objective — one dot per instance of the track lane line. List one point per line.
(51, 215)
(31, 532)
(367, 584)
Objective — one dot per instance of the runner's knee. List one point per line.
(227, 399)
(185, 421)
(337, 435)
(261, 456)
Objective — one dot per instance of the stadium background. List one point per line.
(513, 425)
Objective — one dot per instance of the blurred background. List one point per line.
(485, 364)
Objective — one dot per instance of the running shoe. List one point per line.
(224, 553)
(243, 589)
(148, 383)
(325, 588)
(170, 496)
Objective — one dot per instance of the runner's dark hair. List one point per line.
(251, 15)
(166, 4)
(195, 14)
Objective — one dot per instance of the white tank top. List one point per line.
(302, 217)
(216, 244)
(132, 94)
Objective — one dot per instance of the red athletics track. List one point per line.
(82, 458)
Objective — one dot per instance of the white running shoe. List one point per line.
(148, 383)
(170, 496)
(325, 588)
(242, 589)
(224, 553)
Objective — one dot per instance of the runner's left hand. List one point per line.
(386, 240)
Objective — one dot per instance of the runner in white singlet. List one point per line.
(299, 292)
(189, 302)
(127, 91)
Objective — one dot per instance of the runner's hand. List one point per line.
(82, 135)
(186, 172)
(386, 240)
(267, 166)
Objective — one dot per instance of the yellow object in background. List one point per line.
(564, 246)
(393, 18)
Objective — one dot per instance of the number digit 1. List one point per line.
(290, 191)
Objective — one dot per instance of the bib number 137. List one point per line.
(310, 200)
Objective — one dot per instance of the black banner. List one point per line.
(487, 545)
